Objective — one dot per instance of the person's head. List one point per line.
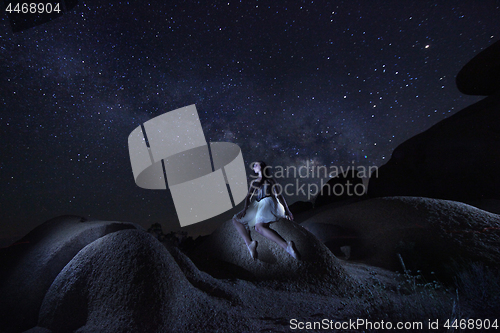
(261, 166)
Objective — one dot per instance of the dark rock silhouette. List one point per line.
(300, 206)
(339, 188)
(156, 230)
(481, 75)
(456, 159)
(30, 266)
(428, 234)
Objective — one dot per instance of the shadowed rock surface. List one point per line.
(429, 234)
(337, 238)
(30, 265)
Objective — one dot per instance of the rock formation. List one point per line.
(421, 233)
(456, 159)
(317, 270)
(339, 188)
(30, 266)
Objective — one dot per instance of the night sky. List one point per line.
(329, 82)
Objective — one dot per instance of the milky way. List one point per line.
(288, 81)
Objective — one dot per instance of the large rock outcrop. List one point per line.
(128, 281)
(346, 187)
(481, 75)
(125, 281)
(456, 159)
(29, 266)
(421, 233)
(299, 207)
(318, 270)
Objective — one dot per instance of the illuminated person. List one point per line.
(264, 204)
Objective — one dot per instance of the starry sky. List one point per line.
(329, 82)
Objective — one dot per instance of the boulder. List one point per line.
(30, 265)
(123, 282)
(342, 241)
(415, 233)
(318, 270)
(299, 207)
(481, 75)
(348, 186)
(456, 159)
(128, 281)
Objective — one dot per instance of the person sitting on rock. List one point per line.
(263, 205)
